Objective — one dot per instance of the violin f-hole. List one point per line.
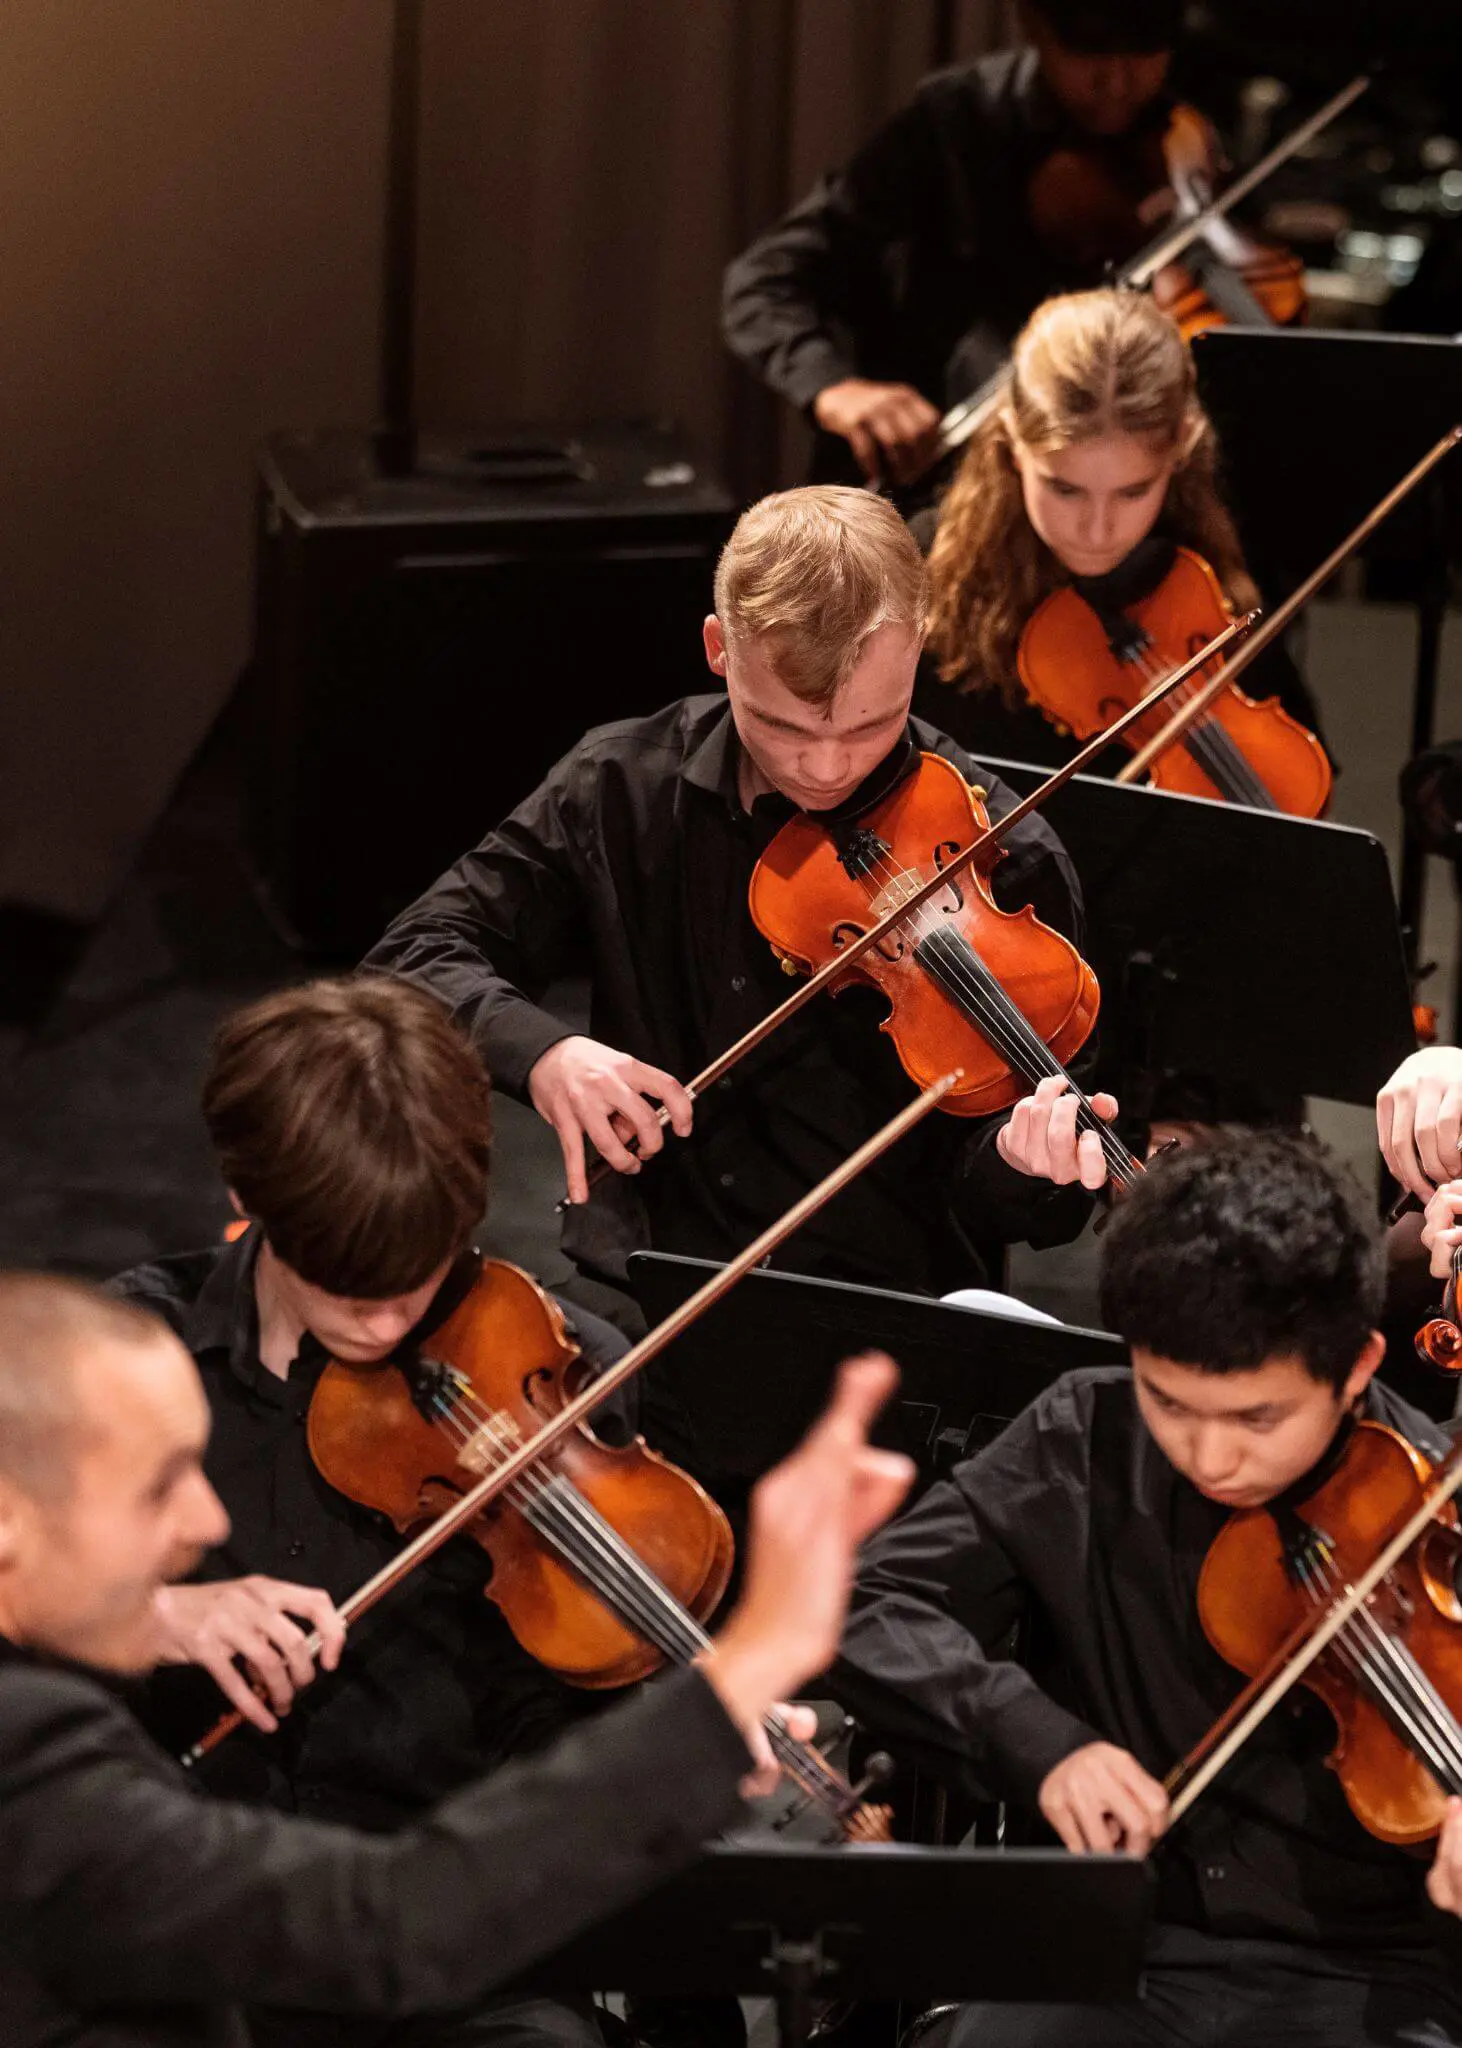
(946, 850)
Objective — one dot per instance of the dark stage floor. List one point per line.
(103, 1158)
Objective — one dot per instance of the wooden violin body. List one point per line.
(1097, 205)
(811, 893)
(1260, 1581)
(1240, 751)
(487, 1377)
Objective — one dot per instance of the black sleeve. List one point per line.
(130, 1889)
(793, 304)
(489, 936)
(935, 1586)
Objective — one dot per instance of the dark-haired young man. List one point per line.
(351, 1120)
(1246, 1276)
(895, 288)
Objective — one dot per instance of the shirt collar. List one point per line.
(225, 1318)
(224, 1315)
(713, 764)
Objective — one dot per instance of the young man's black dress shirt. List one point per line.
(433, 1689)
(135, 1915)
(1075, 1516)
(632, 861)
(916, 263)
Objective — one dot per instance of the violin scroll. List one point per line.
(1439, 1342)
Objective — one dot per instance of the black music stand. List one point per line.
(802, 1924)
(1299, 478)
(755, 1372)
(1234, 943)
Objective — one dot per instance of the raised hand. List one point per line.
(808, 1518)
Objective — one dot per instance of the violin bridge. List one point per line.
(495, 1436)
(896, 892)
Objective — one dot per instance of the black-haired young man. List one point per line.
(896, 286)
(1246, 1276)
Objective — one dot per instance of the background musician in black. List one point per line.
(895, 288)
(632, 863)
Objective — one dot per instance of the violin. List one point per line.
(606, 1561)
(1370, 1555)
(1081, 668)
(1094, 205)
(1189, 725)
(996, 993)
(406, 1435)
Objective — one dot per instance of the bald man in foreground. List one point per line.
(132, 1912)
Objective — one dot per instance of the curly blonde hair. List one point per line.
(1085, 364)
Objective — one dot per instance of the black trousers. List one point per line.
(504, 2020)
(1202, 1992)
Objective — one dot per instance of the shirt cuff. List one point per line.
(517, 1038)
(813, 365)
(1028, 1738)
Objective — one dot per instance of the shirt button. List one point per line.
(738, 983)
(728, 1180)
(1214, 1871)
(296, 1549)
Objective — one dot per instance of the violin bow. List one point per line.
(1294, 1657)
(964, 419)
(557, 1427)
(917, 898)
(1188, 714)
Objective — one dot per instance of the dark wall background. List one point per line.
(190, 246)
(190, 243)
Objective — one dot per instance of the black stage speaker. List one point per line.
(428, 644)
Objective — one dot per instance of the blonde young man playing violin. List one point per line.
(631, 864)
(132, 1911)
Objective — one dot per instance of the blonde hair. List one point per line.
(816, 571)
(1085, 365)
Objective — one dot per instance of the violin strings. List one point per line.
(1415, 1708)
(643, 1603)
(1210, 744)
(619, 1576)
(1209, 741)
(954, 965)
(971, 985)
(552, 1503)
